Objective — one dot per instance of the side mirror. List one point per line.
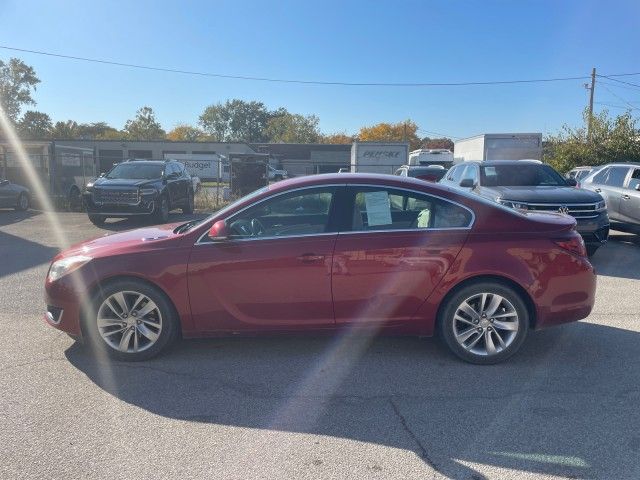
(219, 231)
(571, 182)
(467, 183)
(637, 187)
(102, 174)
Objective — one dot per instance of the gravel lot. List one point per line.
(565, 407)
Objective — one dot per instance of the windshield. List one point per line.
(135, 171)
(521, 175)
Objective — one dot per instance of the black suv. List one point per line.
(140, 187)
(533, 186)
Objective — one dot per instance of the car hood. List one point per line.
(543, 194)
(121, 182)
(148, 238)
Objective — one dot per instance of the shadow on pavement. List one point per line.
(17, 254)
(7, 217)
(560, 407)
(618, 258)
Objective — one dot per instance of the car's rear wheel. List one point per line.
(484, 322)
(188, 209)
(591, 249)
(161, 213)
(97, 220)
(131, 320)
(22, 204)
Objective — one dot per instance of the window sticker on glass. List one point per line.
(378, 208)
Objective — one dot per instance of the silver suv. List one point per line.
(619, 185)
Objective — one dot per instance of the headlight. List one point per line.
(510, 204)
(601, 206)
(148, 191)
(63, 266)
(89, 186)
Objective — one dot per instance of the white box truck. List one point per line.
(378, 157)
(499, 146)
(431, 156)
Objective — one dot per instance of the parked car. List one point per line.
(276, 174)
(579, 173)
(533, 186)
(428, 173)
(334, 252)
(14, 196)
(619, 184)
(140, 187)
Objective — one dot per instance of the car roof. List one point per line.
(505, 162)
(621, 164)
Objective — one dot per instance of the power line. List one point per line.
(616, 106)
(618, 96)
(440, 134)
(283, 80)
(619, 81)
(633, 89)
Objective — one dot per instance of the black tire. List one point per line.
(188, 209)
(451, 329)
(277, 178)
(161, 213)
(169, 322)
(23, 202)
(591, 249)
(97, 220)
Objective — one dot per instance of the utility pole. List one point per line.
(405, 130)
(591, 90)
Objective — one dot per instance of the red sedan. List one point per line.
(347, 253)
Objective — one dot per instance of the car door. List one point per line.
(6, 194)
(274, 271)
(609, 184)
(399, 245)
(630, 200)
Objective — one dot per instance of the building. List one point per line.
(307, 158)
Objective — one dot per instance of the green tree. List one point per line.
(35, 125)
(185, 133)
(612, 140)
(235, 120)
(17, 82)
(94, 130)
(293, 128)
(337, 138)
(391, 132)
(437, 143)
(144, 126)
(65, 130)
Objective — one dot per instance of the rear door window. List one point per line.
(616, 176)
(635, 179)
(390, 209)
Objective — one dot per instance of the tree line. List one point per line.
(611, 139)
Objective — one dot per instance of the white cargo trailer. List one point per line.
(378, 157)
(499, 146)
(431, 156)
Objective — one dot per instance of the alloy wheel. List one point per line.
(485, 324)
(24, 202)
(129, 321)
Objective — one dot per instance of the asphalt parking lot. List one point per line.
(565, 407)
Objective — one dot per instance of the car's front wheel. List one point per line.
(131, 320)
(23, 202)
(161, 213)
(97, 220)
(188, 208)
(484, 322)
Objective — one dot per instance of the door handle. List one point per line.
(598, 190)
(310, 258)
(626, 197)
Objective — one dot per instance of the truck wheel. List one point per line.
(188, 209)
(23, 202)
(277, 178)
(97, 220)
(161, 213)
(591, 250)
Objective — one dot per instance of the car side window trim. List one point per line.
(205, 240)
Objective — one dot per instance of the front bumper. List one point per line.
(594, 231)
(146, 206)
(63, 307)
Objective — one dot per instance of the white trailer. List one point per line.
(499, 146)
(378, 157)
(208, 167)
(431, 156)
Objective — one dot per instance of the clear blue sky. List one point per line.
(366, 41)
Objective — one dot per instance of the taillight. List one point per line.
(574, 245)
